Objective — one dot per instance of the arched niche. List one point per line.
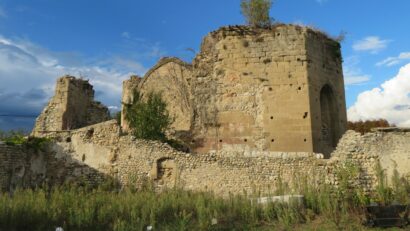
(329, 120)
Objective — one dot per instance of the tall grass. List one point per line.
(108, 208)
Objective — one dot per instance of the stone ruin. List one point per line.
(251, 90)
(71, 107)
(255, 106)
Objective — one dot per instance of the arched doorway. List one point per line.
(329, 120)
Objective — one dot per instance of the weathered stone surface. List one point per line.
(129, 86)
(71, 107)
(96, 151)
(171, 77)
(278, 89)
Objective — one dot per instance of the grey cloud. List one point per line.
(28, 73)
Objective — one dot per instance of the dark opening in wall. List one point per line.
(270, 89)
(305, 140)
(329, 117)
(299, 88)
(193, 141)
(245, 43)
(271, 117)
(272, 140)
(246, 140)
(83, 158)
(305, 115)
(266, 61)
(90, 133)
(68, 139)
(220, 141)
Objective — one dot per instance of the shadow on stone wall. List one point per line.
(22, 167)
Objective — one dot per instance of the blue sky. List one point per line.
(106, 41)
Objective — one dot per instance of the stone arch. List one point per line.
(170, 77)
(329, 119)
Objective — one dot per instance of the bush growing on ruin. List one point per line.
(256, 12)
(19, 137)
(148, 118)
(367, 125)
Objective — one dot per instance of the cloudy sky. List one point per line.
(105, 41)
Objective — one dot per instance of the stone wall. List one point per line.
(326, 92)
(99, 151)
(388, 146)
(23, 167)
(71, 107)
(257, 89)
(171, 78)
(129, 86)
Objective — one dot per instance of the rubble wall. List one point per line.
(256, 90)
(98, 151)
(71, 107)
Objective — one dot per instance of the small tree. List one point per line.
(256, 12)
(148, 119)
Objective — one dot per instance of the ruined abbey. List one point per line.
(255, 105)
(255, 90)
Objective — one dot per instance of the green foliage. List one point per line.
(148, 119)
(20, 138)
(108, 208)
(256, 12)
(13, 137)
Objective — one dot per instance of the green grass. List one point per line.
(110, 207)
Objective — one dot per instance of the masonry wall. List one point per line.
(326, 92)
(99, 151)
(129, 86)
(171, 78)
(256, 90)
(71, 107)
(260, 96)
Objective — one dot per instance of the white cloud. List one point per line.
(28, 73)
(391, 101)
(353, 75)
(356, 79)
(391, 61)
(373, 44)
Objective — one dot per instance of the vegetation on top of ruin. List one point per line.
(367, 125)
(256, 12)
(18, 137)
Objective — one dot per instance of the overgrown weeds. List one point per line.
(110, 207)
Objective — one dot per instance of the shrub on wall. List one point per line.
(367, 125)
(148, 118)
(256, 12)
(19, 137)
